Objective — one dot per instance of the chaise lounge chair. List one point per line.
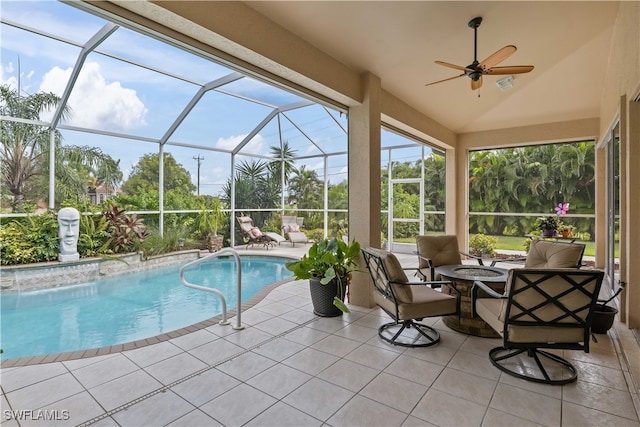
(291, 228)
(255, 236)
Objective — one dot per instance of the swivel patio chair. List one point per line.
(407, 303)
(541, 309)
(292, 229)
(547, 254)
(434, 251)
(256, 237)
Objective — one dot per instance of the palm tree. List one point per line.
(282, 157)
(305, 189)
(24, 155)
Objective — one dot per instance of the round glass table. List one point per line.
(462, 278)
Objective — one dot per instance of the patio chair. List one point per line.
(547, 254)
(407, 303)
(434, 251)
(540, 309)
(292, 229)
(255, 236)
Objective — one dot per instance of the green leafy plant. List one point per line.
(548, 223)
(94, 238)
(328, 260)
(480, 244)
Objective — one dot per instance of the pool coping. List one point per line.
(118, 348)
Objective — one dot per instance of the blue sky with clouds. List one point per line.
(136, 85)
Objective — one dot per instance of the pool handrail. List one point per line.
(224, 251)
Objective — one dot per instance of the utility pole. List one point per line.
(199, 159)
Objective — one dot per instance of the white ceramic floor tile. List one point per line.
(159, 409)
(361, 411)
(413, 369)
(175, 368)
(124, 389)
(216, 351)
(80, 407)
(466, 386)
(150, 354)
(576, 415)
(104, 371)
(335, 345)
(318, 398)
(310, 361)
(474, 364)
(372, 356)
(283, 415)
(495, 418)
(195, 418)
(275, 326)
(604, 399)
(349, 375)
(44, 393)
(278, 349)
(279, 380)
(232, 408)
(193, 339)
(442, 409)
(398, 393)
(13, 379)
(204, 387)
(245, 366)
(533, 407)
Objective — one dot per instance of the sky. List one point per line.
(136, 86)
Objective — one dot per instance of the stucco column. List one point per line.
(364, 182)
(631, 273)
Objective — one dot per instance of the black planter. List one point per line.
(603, 317)
(322, 297)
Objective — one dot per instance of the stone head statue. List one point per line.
(68, 230)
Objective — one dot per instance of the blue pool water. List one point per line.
(126, 308)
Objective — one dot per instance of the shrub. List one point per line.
(480, 244)
(29, 240)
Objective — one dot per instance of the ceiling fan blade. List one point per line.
(476, 84)
(514, 69)
(498, 57)
(454, 66)
(440, 81)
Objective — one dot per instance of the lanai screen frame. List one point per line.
(92, 45)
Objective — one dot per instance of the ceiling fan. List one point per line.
(476, 69)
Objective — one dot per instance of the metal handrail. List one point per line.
(225, 251)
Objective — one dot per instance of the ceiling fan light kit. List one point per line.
(476, 69)
(505, 83)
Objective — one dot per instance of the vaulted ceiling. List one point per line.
(568, 43)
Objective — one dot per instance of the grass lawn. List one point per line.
(515, 243)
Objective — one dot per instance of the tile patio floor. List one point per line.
(291, 368)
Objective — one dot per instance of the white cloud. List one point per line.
(9, 80)
(255, 145)
(95, 103)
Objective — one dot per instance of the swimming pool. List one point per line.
(126, 308)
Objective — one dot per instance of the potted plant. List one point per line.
(208, 222)
(547, 225)
(565, 230)
(328, 266)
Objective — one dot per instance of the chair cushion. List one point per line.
(442, 250)
(531, 297)
(395, 274)
(546, 254)
(426, 302)
(255, 232)
(297, 237)
(274, 236)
